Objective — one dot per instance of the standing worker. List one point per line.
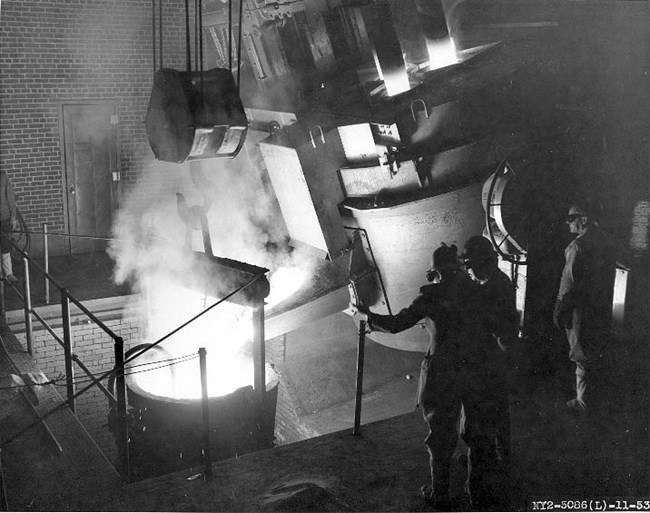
(8, 223)
(473, 322)
(494, 329)
(440, 304)
(584, 302)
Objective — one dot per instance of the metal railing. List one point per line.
(119, 399)
(374, 268)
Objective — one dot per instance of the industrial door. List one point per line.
(90, 162)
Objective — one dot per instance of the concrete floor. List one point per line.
(555, 454)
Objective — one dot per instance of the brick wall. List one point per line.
(63, 50)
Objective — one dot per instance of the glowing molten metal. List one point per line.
(226, 331)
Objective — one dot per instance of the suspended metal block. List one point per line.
(194, 115)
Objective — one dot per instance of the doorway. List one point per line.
(90, 172)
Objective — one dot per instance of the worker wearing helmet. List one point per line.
(441, 304)
(493, 328)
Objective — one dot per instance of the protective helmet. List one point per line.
(478, 248)
(445, 257)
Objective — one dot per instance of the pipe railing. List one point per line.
(120, 398)
(205, 414)
(358, 396)
(66, 343)
(375, 269)
(4, 504)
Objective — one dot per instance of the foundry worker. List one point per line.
(442, 304)
(584, 302)
(494, 325)
(8, 222)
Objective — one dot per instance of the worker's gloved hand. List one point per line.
(15, 225)
(562, 315)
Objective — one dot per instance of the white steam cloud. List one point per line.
(153, 230)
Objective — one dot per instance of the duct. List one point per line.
(433, 18)
(195, 115)
(386, 47)
(411, 30)
(347, 35)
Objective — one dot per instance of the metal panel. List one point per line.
(293, 195)
(306, 183)
(321, 158)
(358, 143)
(375, 180)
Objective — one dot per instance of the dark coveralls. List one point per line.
(584, 306)
(463, 366)
(485, 400)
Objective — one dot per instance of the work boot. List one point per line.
(10, 278)
(7, 269)
(437, 505)
(576, 405)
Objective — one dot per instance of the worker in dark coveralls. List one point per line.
(584, 302)
(455, 371)
(494, 326)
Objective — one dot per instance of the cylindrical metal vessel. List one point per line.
(166, 434)
(403, 237)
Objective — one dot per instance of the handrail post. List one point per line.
(207, 452)
(46, 260)
(120, 392)
(67, 348)
(359, 393)
(3, 315)
(28, 306)
(259, 352)
(4, 506)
